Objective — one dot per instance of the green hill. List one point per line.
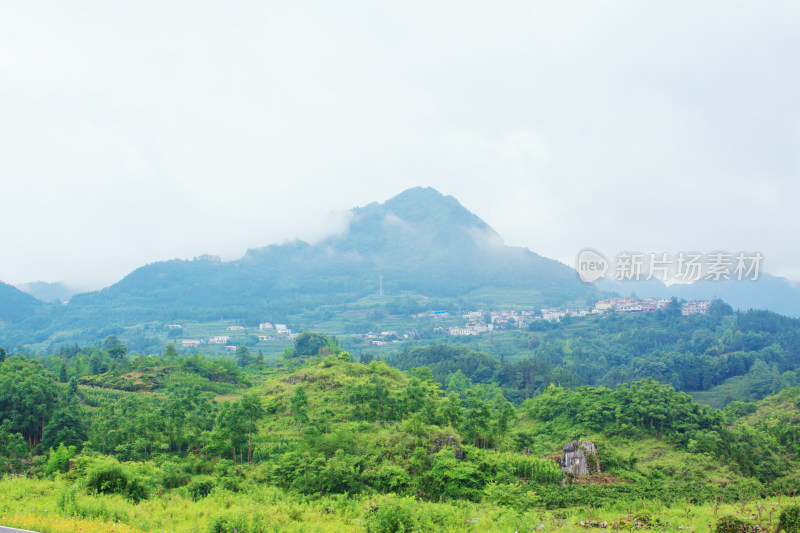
(328, 444)
(419, 242)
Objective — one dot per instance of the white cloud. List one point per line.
(138, 132)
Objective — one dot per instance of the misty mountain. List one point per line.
(768, 292)
(20, 314)
(47, 292)
(16, 305)
(419, 241)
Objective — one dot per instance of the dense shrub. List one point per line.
(173, 475)
(789, 519)
(731, 524)
(58, 462)
(388, 478)
(200, 487)
(110, 477)
(391, 516)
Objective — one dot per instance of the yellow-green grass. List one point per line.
(34, 504)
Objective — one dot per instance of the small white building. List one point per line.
(234, 328)
(553, 315)
(699, 307)
(218, 339)
(633, 306)
(190, 343)
(462, 331)
(265, 325)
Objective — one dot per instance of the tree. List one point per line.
(72, 390)
(458, 382)
(62, 373)
(65, 428)
(12, 445)
(300, 405)
(28, 396)
(502, 412)
(2, 354)
(109, 342)
(673, 308)
(170, 351)
(231, 427)
(309, 343)
(254, 411)
(243, 356)
(118, 352)
(96, 365)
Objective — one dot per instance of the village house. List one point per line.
(699, 307)
(462, 331)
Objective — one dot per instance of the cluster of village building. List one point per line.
(475, 322)
(386, 337)
(268, 332)
(478, 322)
(627, 305)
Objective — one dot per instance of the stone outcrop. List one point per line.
(580, 458)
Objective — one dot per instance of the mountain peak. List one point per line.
(425, 205)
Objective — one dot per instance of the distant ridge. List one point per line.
(16, 305)
(47, 292)
(419, 241)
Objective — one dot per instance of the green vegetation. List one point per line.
(435, 437)
(175, 442)
(718, 358)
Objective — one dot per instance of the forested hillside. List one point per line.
(324, 442)
(419, 241)
(723, 356)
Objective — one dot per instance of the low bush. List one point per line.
(789, 519)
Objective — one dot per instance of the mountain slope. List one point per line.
(419, 241)
(47, 292)
(15, 305)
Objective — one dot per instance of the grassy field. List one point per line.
(60, 506)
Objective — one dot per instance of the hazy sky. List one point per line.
(132, 132)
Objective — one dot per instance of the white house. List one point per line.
(699, 307)
(462, 331)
